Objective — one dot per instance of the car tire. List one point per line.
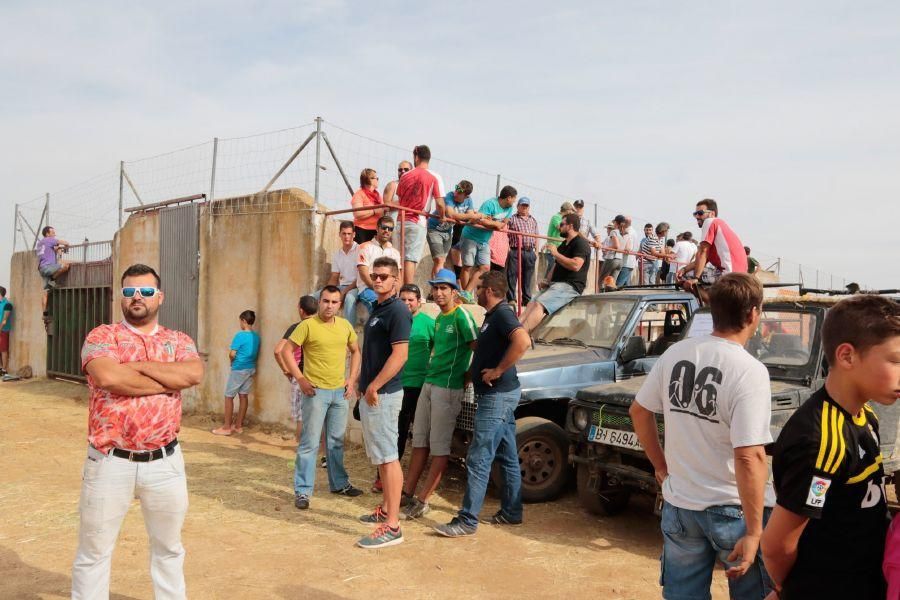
(543, 449)
(606, 504)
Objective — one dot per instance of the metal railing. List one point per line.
(90, 265)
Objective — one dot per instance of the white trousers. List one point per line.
(108, 487)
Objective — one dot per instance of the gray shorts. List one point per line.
(296, 401)
(239, 382)
(435, 418)
(473, 253)
(380, 427)
(556, 296)
(439, 243)
(413, 241)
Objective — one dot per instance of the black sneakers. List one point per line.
(301, 501)
(349, 491)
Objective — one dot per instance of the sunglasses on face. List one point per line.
(143, 292)
(381, 276)
(699, 213)
(383, 228)
(402, 170)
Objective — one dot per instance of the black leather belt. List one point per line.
(146, 456)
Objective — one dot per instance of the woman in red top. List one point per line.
(365, 221)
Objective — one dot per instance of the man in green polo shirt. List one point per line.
(442, 394)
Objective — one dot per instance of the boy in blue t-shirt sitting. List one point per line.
(243, 353)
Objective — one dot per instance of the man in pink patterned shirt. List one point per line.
(135, 371)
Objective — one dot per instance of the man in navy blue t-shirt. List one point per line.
(501, 342)
(385, 349)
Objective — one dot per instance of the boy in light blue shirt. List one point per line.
(459, 207)
(243, 353)
(476, 254)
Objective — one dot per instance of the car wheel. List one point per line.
(607, 502)
(543, 458)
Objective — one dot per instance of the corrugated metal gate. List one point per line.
(179, 267)
(82, 301)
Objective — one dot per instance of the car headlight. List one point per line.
(580, 418)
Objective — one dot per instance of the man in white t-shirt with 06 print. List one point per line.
(716, 404)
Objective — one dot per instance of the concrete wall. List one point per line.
(28, 340)
(256, 252)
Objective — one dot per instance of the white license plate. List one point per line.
(614, 437)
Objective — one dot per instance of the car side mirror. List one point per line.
(634, 348)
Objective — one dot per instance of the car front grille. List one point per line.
(466, 418)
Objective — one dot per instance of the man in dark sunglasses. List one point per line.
(720, 252)
(136, 370)
(369, 252)
(390, 190)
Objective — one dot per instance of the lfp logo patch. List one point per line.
(817, 491)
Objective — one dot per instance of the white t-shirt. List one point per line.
(684, 252)
(368, 252)
(345, 264)
(714, 397)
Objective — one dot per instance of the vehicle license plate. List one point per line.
(614, 437)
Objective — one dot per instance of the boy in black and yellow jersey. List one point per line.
(825, 538)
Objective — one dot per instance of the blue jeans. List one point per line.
(650, 270)
(494, 436)
(692, 542)
(624, 276)
(327, 409)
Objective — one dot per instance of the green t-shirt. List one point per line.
(553, 229)
(451, 357)
(421, 340)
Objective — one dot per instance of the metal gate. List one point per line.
(81, 301)
(179, 267)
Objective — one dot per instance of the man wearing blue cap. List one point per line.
(521, 222)
(442, 393)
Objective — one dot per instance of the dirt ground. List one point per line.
(244, 538)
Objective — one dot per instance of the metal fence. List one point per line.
(319, 157)
(90, 264)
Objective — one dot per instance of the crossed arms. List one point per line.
(144, 378)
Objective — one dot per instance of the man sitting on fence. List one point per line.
(343, 269)
(49, 265)
(368, 253)
(567, 280)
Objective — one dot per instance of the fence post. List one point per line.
(121, 191)
(497, 192)
(15, 227)
(318, 156)
(212, 175)
(520, 292)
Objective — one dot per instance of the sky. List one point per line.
(785, 113)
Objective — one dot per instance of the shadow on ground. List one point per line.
(40, 583)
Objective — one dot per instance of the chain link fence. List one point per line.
(320, 157)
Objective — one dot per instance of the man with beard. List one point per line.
(136, 370)
(501, 343)
(720, 252)
(325, 338)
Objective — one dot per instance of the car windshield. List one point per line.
(784, 338)
(588, 321)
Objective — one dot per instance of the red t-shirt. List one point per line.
(414, 190)
(726, 252)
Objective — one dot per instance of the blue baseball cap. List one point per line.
(447, 277)
(525, 200)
